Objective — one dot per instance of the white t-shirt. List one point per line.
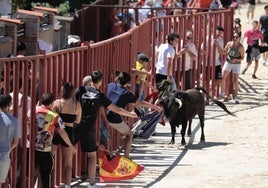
(188, 60)
(164, 51)
(20, 105)
(143, 13)
(217, 54)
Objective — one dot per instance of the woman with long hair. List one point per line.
(234, 51)
(70, 112)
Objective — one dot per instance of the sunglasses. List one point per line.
(189, 38)
(235, 37)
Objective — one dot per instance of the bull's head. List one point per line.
(171, 105)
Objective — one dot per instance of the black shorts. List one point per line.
(218, 72)
(265, 38)
(87, 138)
(159, 78)
(71, 134)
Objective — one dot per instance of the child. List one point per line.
(142, 71)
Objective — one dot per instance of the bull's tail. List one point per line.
(219, 103)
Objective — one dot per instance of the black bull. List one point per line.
(181, 107)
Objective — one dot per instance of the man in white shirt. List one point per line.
(165, 54)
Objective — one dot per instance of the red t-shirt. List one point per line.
(203, 3)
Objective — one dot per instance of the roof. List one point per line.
(9, 20)
(54, 10)
(29, 12)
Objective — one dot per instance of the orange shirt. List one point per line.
(203, 3)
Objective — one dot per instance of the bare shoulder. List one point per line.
(56, 102)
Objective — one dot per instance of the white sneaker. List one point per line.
(236, 101)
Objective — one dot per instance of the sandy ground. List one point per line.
(235, 154)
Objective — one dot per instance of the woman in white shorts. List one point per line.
(234, 51)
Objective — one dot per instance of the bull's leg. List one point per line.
(183, 130)
(189, 131)
(173, 132)
(201, 117)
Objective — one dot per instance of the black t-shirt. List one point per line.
(119, 96)
(264, 25)
(91, 100)
(226, 3)
(252, 2)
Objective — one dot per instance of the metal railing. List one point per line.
(46, 73)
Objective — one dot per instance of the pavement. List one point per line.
(235, 153)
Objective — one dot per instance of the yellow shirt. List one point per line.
(140, 77)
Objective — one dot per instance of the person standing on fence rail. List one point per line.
(70, 112)
(91, 99)
(47, 123)
(165, 55)
(10, 133)
(141, 72)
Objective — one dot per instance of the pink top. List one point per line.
(253, 36)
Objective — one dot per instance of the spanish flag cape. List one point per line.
(118, 168)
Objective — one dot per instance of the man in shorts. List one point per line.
(92, 99)
(264, 30)
(10, 133)
(219, 43)
(121, 97)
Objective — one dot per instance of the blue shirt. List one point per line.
(9, 130)
(119, 96)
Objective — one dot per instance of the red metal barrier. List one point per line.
(49, 71)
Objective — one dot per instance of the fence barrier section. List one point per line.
(31, 76)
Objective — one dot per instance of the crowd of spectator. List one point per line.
(71, 118)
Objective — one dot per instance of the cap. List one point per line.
(73, 39)
(220, 28)
(142, 57)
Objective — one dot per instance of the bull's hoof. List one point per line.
(202, 139)
(189, 134)
(171, 142)
(183, 143)
(184, 147)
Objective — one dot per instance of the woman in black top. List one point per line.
(70, 112)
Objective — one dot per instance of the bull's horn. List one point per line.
(157, 102)
(179, 102)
